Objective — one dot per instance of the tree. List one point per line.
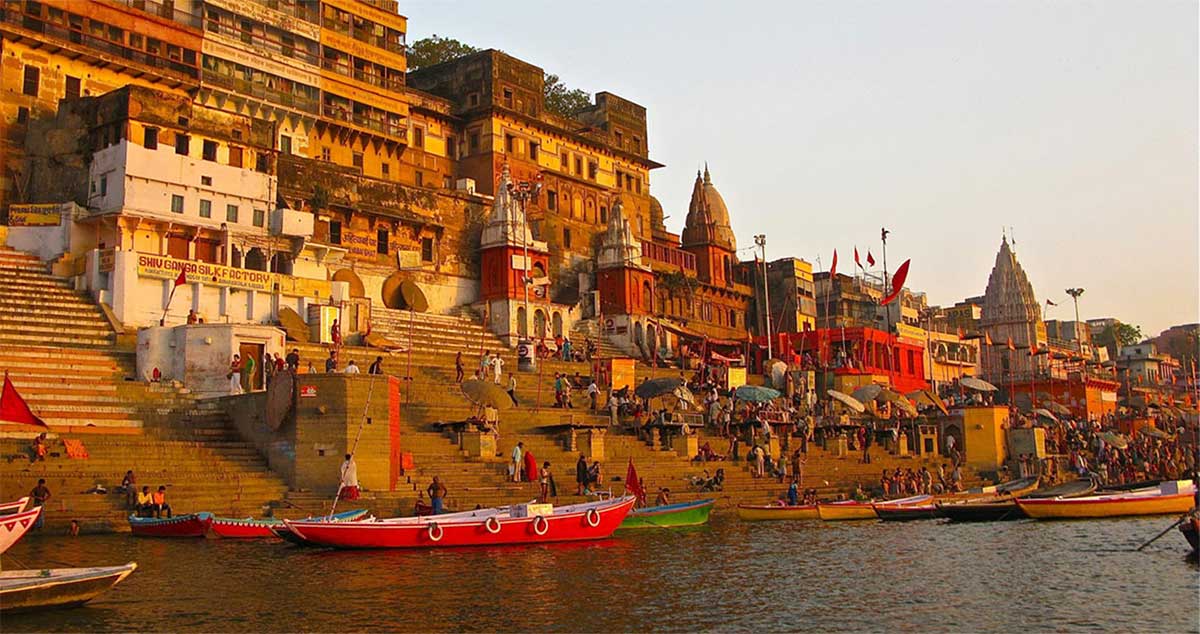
(435, 50)
(562, 100)
(1117, 335)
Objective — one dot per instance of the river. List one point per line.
(730, 576)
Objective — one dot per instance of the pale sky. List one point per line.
(1074, 123)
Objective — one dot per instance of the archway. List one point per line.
(953, 430)
(557, 323)
(235, 257)
(651, 339)
(638, 338)
(539, 323)
(282, 263)
(647, 298)
(522, 322)
(350, 277)
(256, 260)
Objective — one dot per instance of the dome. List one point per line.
(657, 218)
(708, 218)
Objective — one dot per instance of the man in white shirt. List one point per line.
(349, 480)
(593, 392)
(518, 452)
(497, 368)
(351, 368)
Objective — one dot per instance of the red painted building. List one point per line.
(856, 352)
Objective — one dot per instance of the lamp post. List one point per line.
(1075, 293)
(761, 241)
(522, 193)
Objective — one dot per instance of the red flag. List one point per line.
(833, 269)
(1011, 347)
(632, 483)
(870, 258)
(182, 279)
(987, 338)
(1033, 349)
(961, 334)
(856, 260)
(14, 409)
(897, 283)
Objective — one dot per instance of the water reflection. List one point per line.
(731, 576)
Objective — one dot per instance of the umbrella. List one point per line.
(657, 387)
(684, 394)
(929, 399)
(756, 394)
(903, 405)
(1154, 432)
(867, 392)
(978, 385)
(849, 401)
(890, 396)
(1116, 440)
(485, 393)
(1045, 413)
(777, 372)
(1058, 408)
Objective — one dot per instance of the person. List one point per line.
(280, 364)
(485, 361)
(268, 369)
(581, 475)
(349, 481)
(129, 488)
(293, 360)
(760, 459)
(458, 367)
(593, 392)
(376, 366)
(512, 387)
(40, 495)
(793, 493)
(517, 455)
(335, 334)
(73, 531)
(544, 482)
(437, 493)
(351, 368)
(235, 375)
(332, 362)
(38, 450)
(497, 368)
(145, 503)
(950, 450)
(192, 317)
(248, 367)
(663, 498)
(159, 502)
(531, 470)
(594, 476)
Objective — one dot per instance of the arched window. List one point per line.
(256, 260)
(522, 322)
(235, 257)
(732, 318)
(558, 324)
(281, 263)
(539, 323)
(647, 304)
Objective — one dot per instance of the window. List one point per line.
(473, 142)
(564, 162)
(150, 138)
(509, 143)
(451, 148)
(260, 217)
(357, 159)
(231, 213)
(418, 138)
(285, 144)
(182, 143)
(603, 213)
(71, 91)
(381, 241)
(209, 150)
(620, 139)
(33, 77)
(420, 179)
(508, 98)
(262, 162)
(335, 232)
(385, 169)
(206, 180)
(104, 185)
(326, 155)
(176, 203)
(473, 99)
(533, 150)
(637, 144)
(427, 249)
(551, 200)
(22, 114)
(593, 169)
(235, 156)
(566, 238)
(578, 166)
(206, 209)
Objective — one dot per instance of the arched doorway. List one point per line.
(256, 260)
(522, 322)
(639, 339)
(282, 263)
(651, 339)
(539, 323)
(558, 324)
(350, 277)
(235, 257)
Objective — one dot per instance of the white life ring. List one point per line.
(435, 532)
(544, 525)
(492, 525)
(592, 517)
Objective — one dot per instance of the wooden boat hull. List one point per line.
(1093, 507)
(26, 590)
(1190, 528)
(487, 527)
(13, 527)
(846, 511)
(768, 512)
(249, 528)
(193, 525)
(14, 507)
(669, 516)
(906, 513)
(981, 511)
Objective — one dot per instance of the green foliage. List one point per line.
(319, 199)
(562, 100)
(435, 50)
(1119, 335)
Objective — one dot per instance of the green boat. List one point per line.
(669, 516)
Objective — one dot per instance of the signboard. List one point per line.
(278, 19)
(364, 244)
(108, 259)
(910, 333)
(40, 215)
(308, 391)
(167, 268)
(294, 70)
(736, 378)
(519, 263)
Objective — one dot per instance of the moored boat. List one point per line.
(985, 511)
(191, 525)
(1074, 488)
(1167, 498)
(1190, 528)
(677, 515)
(14, 526)
(765, 512)
(13, 507)
(846, 510)
(24, 590)
(484, 527)
(920, 507)
(252, 528)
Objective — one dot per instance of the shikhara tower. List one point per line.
(1011, 311)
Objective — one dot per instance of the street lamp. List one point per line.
(1075, 293)
(522, 193)
(761, 241)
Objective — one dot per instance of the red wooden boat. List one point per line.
(14, 526)
(250, 528)
(484, 527)
(192, 525)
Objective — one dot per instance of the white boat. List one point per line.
(14, 526)
(23, 590)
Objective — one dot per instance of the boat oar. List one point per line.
(1177, 523)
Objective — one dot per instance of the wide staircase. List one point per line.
(585, 329)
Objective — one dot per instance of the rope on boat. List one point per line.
(357, 436)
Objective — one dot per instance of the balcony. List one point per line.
(260, 44)
(669, 255)
(345, 69)
(341, 113)
(260, 92)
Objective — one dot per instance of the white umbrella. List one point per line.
(978, 385)
(847, 400)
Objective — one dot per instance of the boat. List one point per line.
(1074, 488)
(14, 507)
(764, 512)
(677, 515)
(1190, 527)
(918, 507)
(251, 528)
(984, 511)
(14, 526)
(191, 525)
(25, 590)
(1168, 498)
(520, 524)
(846, 510)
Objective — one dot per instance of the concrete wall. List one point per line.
(983, 437)
(49, 243)
(199, 355)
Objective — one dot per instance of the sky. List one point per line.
(1072, 123)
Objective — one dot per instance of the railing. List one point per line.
(345, 69)
(342, 114)
(307, 10)
(669, 255)
(163, 10)
(262, 43)
(261, 92)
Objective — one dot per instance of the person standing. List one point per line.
(437, 493)
(760, 461)
(531, 469)
(235, 375)
(351, 368)
(248, 367)
(497, 368)
(485, 360)
(512, 388)
(349, 479)
(40, 495)
(332, 362)
(458, 367)
(518, 454)
(593, 392)
(335, 334)
(293, 360)
(544, 482)
(793, 493)
(376, 366)
(581, 475)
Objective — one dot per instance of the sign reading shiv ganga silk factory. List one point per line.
(162, 267)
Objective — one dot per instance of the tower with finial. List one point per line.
(1011, 311)
(625, 283)
(707, 233)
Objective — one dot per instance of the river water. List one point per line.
(730, 576)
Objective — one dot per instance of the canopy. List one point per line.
(928, 399)
(1116, 440)
(849, 401)
(486, 393)
(651, 388)
(978, 385)
(1045, 413)
(867, 392)
(756, 394)
(1154, 432)
(684, 394)
(1057, 408)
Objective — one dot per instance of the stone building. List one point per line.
(1011, 312)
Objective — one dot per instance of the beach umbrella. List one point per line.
(777, 372)
(684, 394)
(756, 394)
(414, 297)
(928, 399)
(1116, 440)
(979, 385)
(1154, 432)
(849, 401)
(867, 392)
(486, 393)
(657, 387)
(898, 401)
(1058, 408)
(1045, 413)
